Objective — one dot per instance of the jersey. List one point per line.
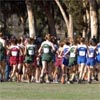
(72, 51)
(14, 51)
(91, 52)
(91, 56)
(82, 50)
(65, 60)
(31, 50)
(65, 49)
(30, 54)
(46, 51)
(98, 53)
(98, 49)
(14, 55)
(72, 56)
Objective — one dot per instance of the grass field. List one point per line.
(32, 91)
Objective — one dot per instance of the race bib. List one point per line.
(72, 55)
(30, 52)
(91, 54)
(14, 53)
(82, 53)
(46, 50)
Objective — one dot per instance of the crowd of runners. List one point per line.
(50, 60)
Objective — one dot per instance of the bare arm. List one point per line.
(53, 48)
(67, 52)
(21, 51)
(40, 50)
(4, 44)
(25, 50)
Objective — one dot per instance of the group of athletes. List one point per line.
(55, 61)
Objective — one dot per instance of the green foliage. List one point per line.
(75, 8)
(41, 20)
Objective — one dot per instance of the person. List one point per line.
(38, 65)
(72, 60)
(8, 68)
(90, 63)
(14, 51)
(65, 61)
(58, 63)
(38, 69)
(94, 39)
(97, 68)
(21, 59)
(2, 57)
(30, 51)
(45, 51)
(52, 68)
(81, 58)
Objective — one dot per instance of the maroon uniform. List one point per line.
(21, 57)
(58, 62)
(14, 55)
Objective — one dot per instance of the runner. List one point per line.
(38, 65)
(97, 68)
(2, 57)
(8, 68)
(72, 60)
(52, 68)
(14, 51)
(21, 59)
(30, 51)
(81, 58)
(45, 50)
(91, 53)
(65, 61)
(58, 63)
(38, 69)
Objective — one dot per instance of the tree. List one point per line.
(93, 18)
(48, 7)
(86, 18)
(31, 20)
(68, 21)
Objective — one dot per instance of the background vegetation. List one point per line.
(58, 17)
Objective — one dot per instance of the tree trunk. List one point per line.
(30, 18)
(70, 26)
(88, 30)
(86, 18)
(50, 18)
(23, 22)
(93, 18)
(69, 23)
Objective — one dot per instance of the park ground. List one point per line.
(33, 91)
